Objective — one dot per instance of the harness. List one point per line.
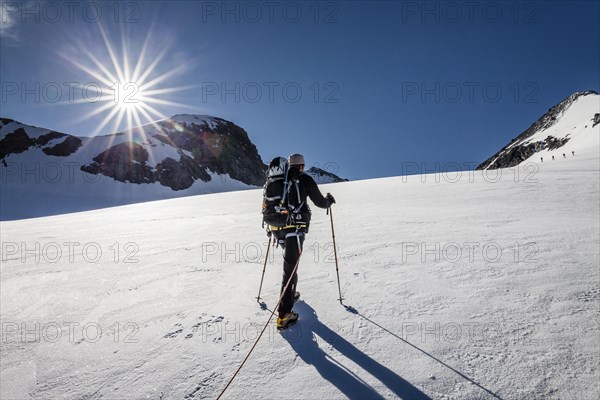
(297, 232)
(275, 228)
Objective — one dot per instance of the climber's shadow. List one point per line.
(353, 310)
(303, 339)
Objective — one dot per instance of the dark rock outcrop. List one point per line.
(64, 148)
(15, 142)
(125, 162)
(173, 174)
(223, 147)
(518, 154)
(220, 147)
(179, 175)
(18, 142)
(553, 143)
(44, 139)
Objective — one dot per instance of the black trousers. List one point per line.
(292, 242)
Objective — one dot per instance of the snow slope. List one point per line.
(457, 287)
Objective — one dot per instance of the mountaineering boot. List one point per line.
(296, 296)
(289, 319)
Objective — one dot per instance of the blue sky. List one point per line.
(364, 89)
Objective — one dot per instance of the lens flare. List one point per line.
(130, 94)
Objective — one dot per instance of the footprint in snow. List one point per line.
(178, 328)
(205, 383)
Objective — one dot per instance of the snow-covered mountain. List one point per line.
(471, 286)
(44, 172)
(321, 176)
(568, 129)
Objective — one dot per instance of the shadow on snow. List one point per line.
(303, 339)
(355, 311)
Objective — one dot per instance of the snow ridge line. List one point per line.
(264, 327)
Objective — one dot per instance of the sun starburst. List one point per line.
(131, 94)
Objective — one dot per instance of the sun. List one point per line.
(128, 96)
(130, 93)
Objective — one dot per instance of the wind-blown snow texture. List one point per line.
(514, 312)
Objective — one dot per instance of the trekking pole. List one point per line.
(264, 268)
(337, 271)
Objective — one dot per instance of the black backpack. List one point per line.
(281, 198)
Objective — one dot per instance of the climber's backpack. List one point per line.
(281, 198)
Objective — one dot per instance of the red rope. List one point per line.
(265, 327)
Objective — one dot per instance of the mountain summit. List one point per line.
(178, 151)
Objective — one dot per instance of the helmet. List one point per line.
(296, 159)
